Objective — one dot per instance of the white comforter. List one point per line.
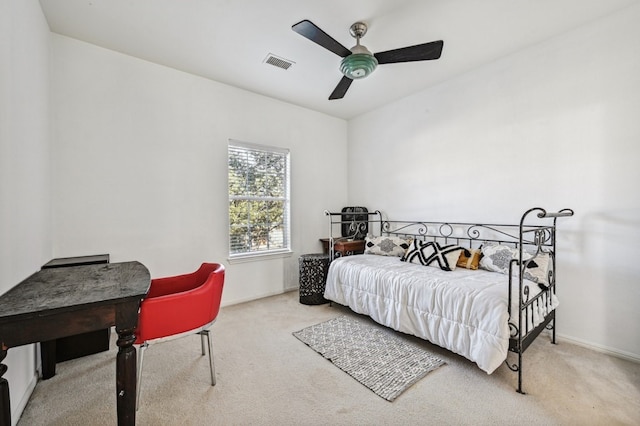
(464, 311)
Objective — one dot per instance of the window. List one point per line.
(258, 199)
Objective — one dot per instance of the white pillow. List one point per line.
(496, 258)
(537, 269)
(386, 246)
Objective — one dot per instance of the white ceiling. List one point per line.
(228, 40)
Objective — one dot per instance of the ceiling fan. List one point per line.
(359, 62)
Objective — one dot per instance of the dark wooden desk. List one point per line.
(71, 347)
(59, 302)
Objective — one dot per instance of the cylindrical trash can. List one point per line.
(313, 277)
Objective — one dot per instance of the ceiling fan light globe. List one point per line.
(358, 65)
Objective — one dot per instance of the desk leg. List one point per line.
(126, 377)
(5, 404)
(48, 359)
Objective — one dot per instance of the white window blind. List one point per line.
(258, 199)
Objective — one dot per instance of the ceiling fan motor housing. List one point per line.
(361, 62)
(358, 65)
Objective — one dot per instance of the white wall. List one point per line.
(140, 166)
(25, 212)
(553, 126)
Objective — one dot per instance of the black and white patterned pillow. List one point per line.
(433, 254)
(537, 269)
(496, 258)
(386, 246)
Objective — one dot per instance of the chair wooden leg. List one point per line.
(139, 378)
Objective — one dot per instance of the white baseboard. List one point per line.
(259, 296)
(20, 406)
(601, 348)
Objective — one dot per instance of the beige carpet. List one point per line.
(267, 377)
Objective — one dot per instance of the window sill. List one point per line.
(253, 257)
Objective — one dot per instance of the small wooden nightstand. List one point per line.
(343, 247)
(348, 247)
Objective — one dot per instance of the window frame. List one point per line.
(286, 199)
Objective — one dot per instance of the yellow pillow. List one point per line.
(469, 258)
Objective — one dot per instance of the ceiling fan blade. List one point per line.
(309, 30)
(341, 88)
(419, 52)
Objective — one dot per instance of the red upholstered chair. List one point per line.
(178, 306)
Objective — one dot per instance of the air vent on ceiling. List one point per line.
(277, 61)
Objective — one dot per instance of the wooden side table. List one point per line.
(343, 247)
(325, 245)
(347, 248)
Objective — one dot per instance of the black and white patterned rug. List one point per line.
(376, 356)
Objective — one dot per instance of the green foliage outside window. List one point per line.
(258, 203)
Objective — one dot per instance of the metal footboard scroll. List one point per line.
(535, 243)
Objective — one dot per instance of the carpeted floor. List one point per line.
(267, 377)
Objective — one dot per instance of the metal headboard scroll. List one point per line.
(356, 227)
(355, 223)
(461, 233)
(476, 234)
